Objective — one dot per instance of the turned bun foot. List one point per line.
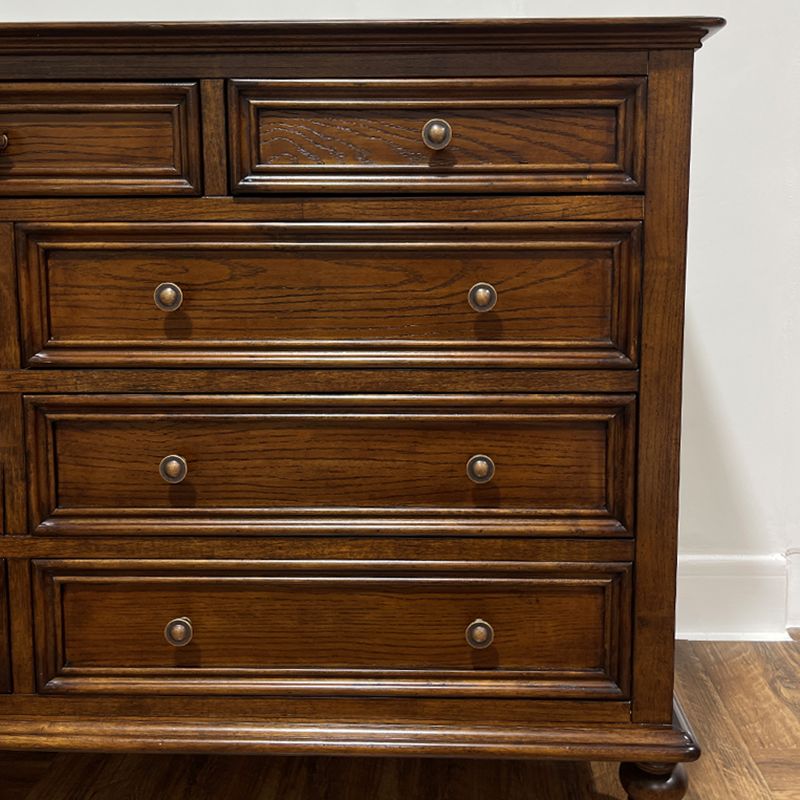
(654, 781)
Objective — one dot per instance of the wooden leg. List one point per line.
(654, 781)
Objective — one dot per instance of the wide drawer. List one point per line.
(494, 464)
(518, 629)
(564, 294)
(493, 135)
(99, 138)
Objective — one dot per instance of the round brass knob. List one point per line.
(437, 134)
(479, 634)
(3, 141)
(482, 297)
(168, 296)
(179, 632)
(173, 469)
(480, 469)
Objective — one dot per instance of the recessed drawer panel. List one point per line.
(529, 465)
(99, 138)
(549, 630)
(478, 135)
(438, 294)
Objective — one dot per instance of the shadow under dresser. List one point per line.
(340, 388)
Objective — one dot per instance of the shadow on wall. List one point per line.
(719, 512)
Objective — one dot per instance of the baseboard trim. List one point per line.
(723, 597)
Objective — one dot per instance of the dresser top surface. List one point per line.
(624, 33)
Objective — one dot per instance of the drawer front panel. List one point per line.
(548, 629)
(99, 138)
(561, 463)
(393, 294)
(542, 134)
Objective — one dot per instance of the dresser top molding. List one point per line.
(626, 33)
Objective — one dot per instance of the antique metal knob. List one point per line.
(168, 296)
(480, 469)
(3, 141)
(479, 634)
(437, 134)
(173, 468)
(179, 632)
(482, 297)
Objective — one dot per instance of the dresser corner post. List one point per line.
(666, 205)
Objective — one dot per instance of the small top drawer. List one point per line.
(99, 138)
(479, 135)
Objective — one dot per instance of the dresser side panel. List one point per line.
(667, 180)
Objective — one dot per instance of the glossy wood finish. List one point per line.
(616, 34)
(327, 382)
(369, 463)
(5, 642)
(325, 208)
(360, 628)
(508, 135)
(739, 694)
(669, 122)
(356, 294)
(107, 138)
(654, 781)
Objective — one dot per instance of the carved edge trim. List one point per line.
(354, 35)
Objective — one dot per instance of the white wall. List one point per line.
(741, 450)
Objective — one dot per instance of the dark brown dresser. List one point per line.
(340, 388)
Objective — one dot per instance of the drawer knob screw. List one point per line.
(173, 468)
(168, 296)
(482, 297)
(480, 469)
(437, 134)
(179, 632)
(479, 634)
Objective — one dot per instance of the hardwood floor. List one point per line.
(743, 700)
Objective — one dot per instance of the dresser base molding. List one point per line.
(642, 744)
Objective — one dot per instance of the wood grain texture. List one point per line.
(741, 695)
(302, 628)
(509, 135)
(668, 123)
(354, 295)
(113, 138)
(473, 61)
(348, 36)
(9, 306)
(310, 208)
(5, 639)
(354, 547)
(215, 155)
(327, 388)
(18, 573)
(12, 460)
(745, 700)
(273, 463)
(282, 381)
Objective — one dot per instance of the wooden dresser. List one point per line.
(340, 388)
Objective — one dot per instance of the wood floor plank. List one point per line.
(20, 771)
(726, 771)
(742, 671)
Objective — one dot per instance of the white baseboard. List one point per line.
(722, 597)
(793, 593)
